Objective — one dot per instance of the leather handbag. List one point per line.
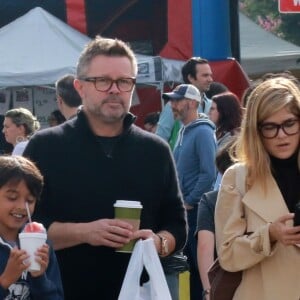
(222, 283)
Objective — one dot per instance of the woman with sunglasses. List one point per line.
(255, 232)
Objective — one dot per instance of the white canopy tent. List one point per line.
(37, 49)
(262, 51)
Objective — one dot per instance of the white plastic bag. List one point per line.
(144, 254)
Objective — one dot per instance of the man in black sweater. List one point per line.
(94, 159)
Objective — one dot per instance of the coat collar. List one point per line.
(269, 205)
(82, 122)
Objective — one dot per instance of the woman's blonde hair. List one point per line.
(22, 116)
(266, 99)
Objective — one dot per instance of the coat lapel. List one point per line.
(269, 205)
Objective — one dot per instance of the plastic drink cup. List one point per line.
(30, 241)
(129, 211)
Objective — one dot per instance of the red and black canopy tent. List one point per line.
(174, 29)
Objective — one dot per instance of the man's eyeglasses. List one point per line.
(289, 127)
(104, 84)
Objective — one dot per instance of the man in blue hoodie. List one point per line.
(194, 155)
(195, 71)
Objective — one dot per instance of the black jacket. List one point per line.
(81, 185)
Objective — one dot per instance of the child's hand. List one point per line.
(42, 257)
(16, 264)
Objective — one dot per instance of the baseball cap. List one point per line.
(183, 91)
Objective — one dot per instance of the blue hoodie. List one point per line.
(45, 287)
(194, 155)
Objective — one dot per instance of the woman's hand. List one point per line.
(284, 234)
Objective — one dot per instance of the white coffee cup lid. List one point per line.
(127, 203)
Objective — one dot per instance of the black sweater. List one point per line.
(82, 183)
(287, 175)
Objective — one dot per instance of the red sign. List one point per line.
(289, 6)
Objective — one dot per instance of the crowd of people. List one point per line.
(183, 168)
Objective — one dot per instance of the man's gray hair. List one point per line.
(106, 47)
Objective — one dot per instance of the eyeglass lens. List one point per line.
(289, 127)
(123, 84)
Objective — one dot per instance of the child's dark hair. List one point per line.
(14, 169)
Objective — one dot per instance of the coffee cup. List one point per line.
(129, 211)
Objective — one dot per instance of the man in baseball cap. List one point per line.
(184, 101)
(195, 71)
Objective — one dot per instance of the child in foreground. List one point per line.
(21, 182)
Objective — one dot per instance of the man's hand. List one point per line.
(113, 233)
(148, 233)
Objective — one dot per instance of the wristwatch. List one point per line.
(164, 246)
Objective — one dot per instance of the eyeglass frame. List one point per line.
(94, 80)
(279, 126)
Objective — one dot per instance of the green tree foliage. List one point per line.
(266, 14)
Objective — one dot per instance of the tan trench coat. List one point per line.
(269, 273)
